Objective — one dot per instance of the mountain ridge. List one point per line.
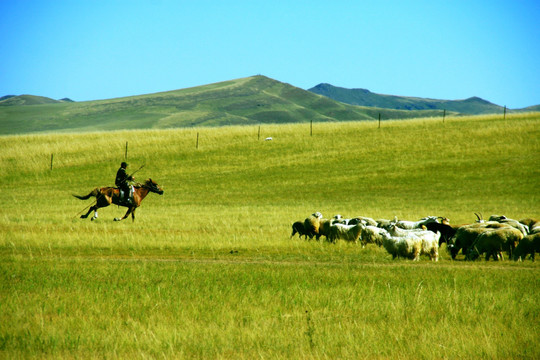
(351, 96)
(22, 100)
(363, 97)
(252, 100)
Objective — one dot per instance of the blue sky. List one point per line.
(89, 50)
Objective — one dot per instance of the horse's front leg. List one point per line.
(130, 210)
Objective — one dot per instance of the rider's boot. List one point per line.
(127, 197)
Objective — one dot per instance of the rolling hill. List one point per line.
(12, 100)
(363, 97)
(534, 108)
(252, 100)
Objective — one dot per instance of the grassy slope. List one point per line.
(208, 270)
(253, 100)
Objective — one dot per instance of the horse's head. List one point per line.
(153, 187)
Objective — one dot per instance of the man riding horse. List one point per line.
(106, 196)
(121, 181)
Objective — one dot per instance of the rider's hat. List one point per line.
(124, 164)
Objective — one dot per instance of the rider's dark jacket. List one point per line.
(122, 179)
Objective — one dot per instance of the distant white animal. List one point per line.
(514, 223)
(404, 224)
(363, 220)
(372, 235)
(408, 247)
(345, 232)
(421, 242)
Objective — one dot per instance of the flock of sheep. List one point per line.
(411, 239)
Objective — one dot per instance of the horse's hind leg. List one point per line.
(94, 209)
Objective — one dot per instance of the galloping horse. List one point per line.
(106, 196)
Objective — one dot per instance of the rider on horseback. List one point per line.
(121, 181)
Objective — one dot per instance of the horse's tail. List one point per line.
(94, 193)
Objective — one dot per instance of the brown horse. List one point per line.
(106, 196)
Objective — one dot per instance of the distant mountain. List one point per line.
(246, 101)
(535, 108)
(363, 97)
(12, 100)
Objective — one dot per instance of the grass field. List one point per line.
(208, 269)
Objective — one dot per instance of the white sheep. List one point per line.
(364, 220)
(408, 247)
(514, 223)
(355, 220)
(372, 235)
(430, 244)
(416, 224)
(345, 232)
(429, 241)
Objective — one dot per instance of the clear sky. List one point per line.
(94, 49)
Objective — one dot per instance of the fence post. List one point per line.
(311, 128)
(52, 156)
(504, 112)
(125, 156)
(379, 120)
(444, 115)
(259, 133)
(197, 144)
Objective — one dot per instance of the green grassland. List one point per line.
(208, 270)
(247, 101)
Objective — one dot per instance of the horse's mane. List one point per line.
(140, 185)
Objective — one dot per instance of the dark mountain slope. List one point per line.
(363, 97)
